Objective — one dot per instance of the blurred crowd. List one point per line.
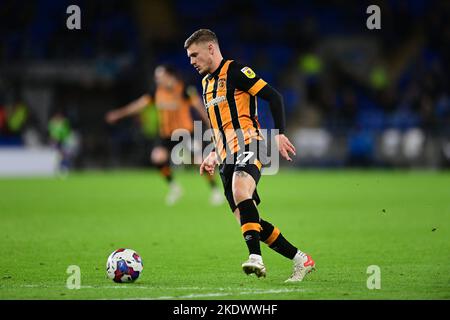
(380, 95)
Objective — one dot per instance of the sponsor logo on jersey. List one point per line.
(214, 101)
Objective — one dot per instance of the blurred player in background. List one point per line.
(229, 93)
(173, 101)
(64, 139)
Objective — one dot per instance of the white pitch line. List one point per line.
(114, 287)
(223, 292)
(220, 294)
(138, 287)
(144, 287)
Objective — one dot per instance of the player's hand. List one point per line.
(112, 117)
(209, 163)
(285, 146)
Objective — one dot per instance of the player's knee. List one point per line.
(242, 187)
(241, 194)
(158, 156)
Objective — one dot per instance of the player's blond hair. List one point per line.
(201, 35)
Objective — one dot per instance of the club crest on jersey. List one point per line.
(248, 72)
(221, 83)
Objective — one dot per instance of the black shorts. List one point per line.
(166, 143)
(243, 161)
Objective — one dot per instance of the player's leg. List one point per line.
(243, 187)
(271, 235)
(226, 172)
(160, 157)
(211, 181)
(216, 196)
(303, 263)
(63, 169)
(196, 149)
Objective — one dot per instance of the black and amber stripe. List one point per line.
(272, 237)
(249, 226)
(214, 114)
(233, 116)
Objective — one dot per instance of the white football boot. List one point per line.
(175, 193)
(303, 264)
(255, 265)
(217, 197)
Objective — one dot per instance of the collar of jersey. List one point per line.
(216, 72)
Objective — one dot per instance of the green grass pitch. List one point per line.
(347, 220)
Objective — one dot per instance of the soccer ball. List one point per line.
(124, 265)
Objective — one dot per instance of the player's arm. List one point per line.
(129, 109)
(197, 104)
(275, 100)
(209, 163)
(245, 79)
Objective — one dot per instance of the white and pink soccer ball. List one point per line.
(124, 265)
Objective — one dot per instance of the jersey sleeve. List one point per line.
(245, 79)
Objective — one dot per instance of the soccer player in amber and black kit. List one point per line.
(229, 94)
(173, 100)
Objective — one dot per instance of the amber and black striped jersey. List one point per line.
(173, 106)
(229, 95)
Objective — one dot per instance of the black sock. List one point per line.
(165, 171)
(211, 180)
(274, 239)
(250, 225)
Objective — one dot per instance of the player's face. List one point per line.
(162, 78)
(200, 55)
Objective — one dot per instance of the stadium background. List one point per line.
(358, 101)
(353, 96)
